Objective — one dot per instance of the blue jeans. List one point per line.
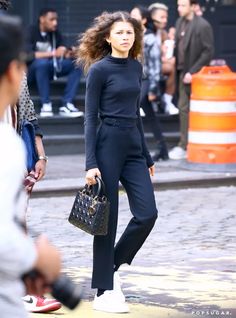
(41, 71)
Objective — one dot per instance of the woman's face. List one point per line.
(121, 38)
(160, 18)
(136, 14)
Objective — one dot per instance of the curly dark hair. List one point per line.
(93, 45)
(5, 4)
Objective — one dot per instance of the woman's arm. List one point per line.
(94, 85)
(26, 111)
(146, 153)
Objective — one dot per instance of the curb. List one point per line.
(230, 168)
(70, 190)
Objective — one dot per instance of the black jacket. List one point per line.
(34, 36)
(198, 44)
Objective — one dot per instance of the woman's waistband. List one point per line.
(120, 122)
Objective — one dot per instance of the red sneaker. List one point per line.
(40, 304)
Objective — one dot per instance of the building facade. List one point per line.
(76, 15)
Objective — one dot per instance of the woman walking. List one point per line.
(151, 80)
(117, 152)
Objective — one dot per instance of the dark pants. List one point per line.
(183, 105)
(119, 157)
(42, 71)
(151, 118)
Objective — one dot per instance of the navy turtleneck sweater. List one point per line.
(112, 90)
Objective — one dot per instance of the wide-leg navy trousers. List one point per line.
(119, 156)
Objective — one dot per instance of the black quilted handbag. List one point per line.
(91, 208)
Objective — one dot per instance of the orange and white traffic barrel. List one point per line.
(212, 117)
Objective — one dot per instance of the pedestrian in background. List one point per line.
(151, 79)
(198, 9)
(159, 15)
(18, 254)
(14, 114)
(194, 49)
(52, 60)
(24, 110)
(117, 152)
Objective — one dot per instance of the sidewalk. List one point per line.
(136, 311)
(65, 174)
(186, 268)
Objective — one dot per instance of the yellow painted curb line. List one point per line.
(136, 311)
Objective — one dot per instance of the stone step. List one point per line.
(74, 143)
(64, 135)
(60, 125)
(57, 87)
(56, 93)
(57, 102)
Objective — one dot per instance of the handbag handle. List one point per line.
(100, 186)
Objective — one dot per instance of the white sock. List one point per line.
(170, 107)
(167, 98)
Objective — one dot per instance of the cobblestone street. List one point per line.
(187, 263)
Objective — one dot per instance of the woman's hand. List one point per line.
(91, 174)
(152, 97)
(40, 169)
(152, 170)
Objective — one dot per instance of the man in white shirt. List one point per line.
(52, 59)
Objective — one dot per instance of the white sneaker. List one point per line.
(142, 114)
(117, 286)
(177, 153)
(70, 110)
(110, 301)
(171, 109)
(46, 110)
